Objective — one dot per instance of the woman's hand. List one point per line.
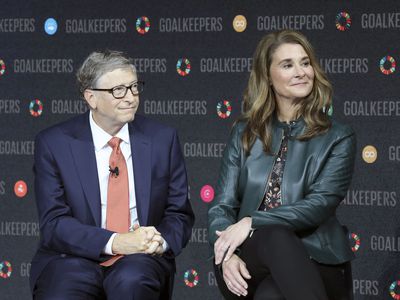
(235, 271)
(231, 238)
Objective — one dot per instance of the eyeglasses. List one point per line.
(120, 91)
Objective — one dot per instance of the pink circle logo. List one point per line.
(207, 193)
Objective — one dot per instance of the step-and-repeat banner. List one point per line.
(195, 57)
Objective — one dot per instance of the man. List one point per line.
(111, 192)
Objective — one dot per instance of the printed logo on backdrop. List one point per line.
(366, 287)
(239, 23)
(225, 64)
(36, 108)
(372, 108)
(12, 25)
(224, 109)
(50, 26)
(385, 243)
(97, 26)
(43, 65)
(370, 198)
(199, 235)
(183, 67)
(2, 187)
(5, 269)
(19, 228)
(294, 22)
(61, 106)
(207, 193)
(343, 21)
(25, 269)
(2, 67)
(20, 188)
(175, 107)
(191, 278)
(142, 25)
(387, 65)
(394, 290)
(190, 24)
(380, 20)
(16, 147)
(355, 242)
(369, 154)
(394, 153)
(10, 106)
(203, 150)
(344, 65)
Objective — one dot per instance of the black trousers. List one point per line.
(280, 269)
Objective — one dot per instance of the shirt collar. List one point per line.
(101, 137)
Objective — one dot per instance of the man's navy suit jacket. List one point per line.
(68, 195)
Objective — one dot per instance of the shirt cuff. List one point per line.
(165, 246)
(108, 248)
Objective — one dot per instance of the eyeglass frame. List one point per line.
(111, 90)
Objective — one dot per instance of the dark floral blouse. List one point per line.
(272, 197)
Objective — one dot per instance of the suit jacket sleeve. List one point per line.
(60, 230)
(178, 218)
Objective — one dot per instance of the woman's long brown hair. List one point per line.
(259, 98)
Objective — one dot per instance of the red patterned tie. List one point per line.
(118, 217)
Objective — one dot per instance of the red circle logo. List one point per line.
(20, 188)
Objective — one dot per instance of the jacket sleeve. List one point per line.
(223, 211)
(60, 231)
(324, 194)
(178, 218)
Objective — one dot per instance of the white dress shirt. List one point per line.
(103, 152)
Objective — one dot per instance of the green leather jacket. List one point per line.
(316, 177)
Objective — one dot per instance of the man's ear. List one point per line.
(90, 99)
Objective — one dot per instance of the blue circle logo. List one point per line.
(50, 26)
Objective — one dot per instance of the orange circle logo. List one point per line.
(20, 188)
(369, 154)
(239, 23)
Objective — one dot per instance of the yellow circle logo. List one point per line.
(239, 23)
(369, 154)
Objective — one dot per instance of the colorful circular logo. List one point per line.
(369, 154)
(143, 25)
(191, 278)
(207, 193)
(20, 188)
(239, 23)
(228, 109)
(390, 60)
(50, 26)
(2, 67)
(5, 269)
(343, 21)
(357, 242)
(392, 290)
(183, 66)
(36, 107)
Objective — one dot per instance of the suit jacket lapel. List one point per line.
(82, 148)
(141, 158)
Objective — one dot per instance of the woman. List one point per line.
(285, 169)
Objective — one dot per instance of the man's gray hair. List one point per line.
(99, 63)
